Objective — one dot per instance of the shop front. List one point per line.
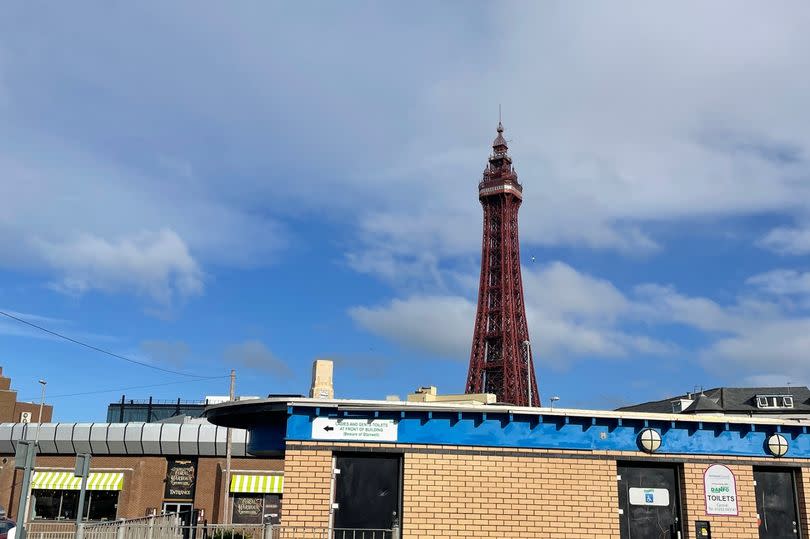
(55, 495)
(137, 470)
(256, 499)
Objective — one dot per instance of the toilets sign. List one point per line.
(362, 430)
(720, 489)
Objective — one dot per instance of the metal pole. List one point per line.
(26, 487)
(43, 383)
(82, 469)
(24, 516)
(529, 369)
(228, 448)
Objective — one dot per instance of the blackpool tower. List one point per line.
(501, 357)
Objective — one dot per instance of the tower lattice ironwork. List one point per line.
(501, 357)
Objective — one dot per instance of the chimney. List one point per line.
(322, 387)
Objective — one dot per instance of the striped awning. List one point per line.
(257, 484)
(67, 481)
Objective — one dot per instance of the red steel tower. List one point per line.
(501, 357)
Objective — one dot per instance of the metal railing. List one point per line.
(156, 527)
(297, 532)
(171, 527)
(50, 530)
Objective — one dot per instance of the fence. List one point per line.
(171, 527)
(291, 532)
(50, 530)
(156, 527)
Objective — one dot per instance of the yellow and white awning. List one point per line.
(257, 484)
(67, 481)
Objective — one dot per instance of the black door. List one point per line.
(649, 501)
(367, 491)
(776, 503)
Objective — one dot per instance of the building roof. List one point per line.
(192, 439)
(249, 413)
(275, 422)
(702, 404)
(733, 400)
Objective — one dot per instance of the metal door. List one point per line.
(649, 501)
(776, 503)
(367, 491)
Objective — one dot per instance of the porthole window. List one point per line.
(777, 445)
(649, 440)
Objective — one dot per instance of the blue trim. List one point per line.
(512, 430)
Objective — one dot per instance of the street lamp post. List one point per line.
(25, 493)
(528, 346)
(554, 399)
(43, 383)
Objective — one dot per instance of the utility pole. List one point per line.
(228, 448)
(25, 494)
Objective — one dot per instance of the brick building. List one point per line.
(469, 470)
(13, 411)
(139, 469)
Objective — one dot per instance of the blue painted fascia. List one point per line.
(515, 430)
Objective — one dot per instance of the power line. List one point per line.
(97, 391)
(97, 349)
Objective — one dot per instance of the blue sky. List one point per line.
(205, 187)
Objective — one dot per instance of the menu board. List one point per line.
(248, 509)
(181, 475)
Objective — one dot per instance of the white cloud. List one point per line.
(783, 282)
(787, 241)
(571, 315)
(440, 325)
(779, 346)
(618, 122)
(156, 265)
(254, 355)
(575, 316)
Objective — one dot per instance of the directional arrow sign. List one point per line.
(364, 430)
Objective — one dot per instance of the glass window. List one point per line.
(103, 505)
(70, 504)
(46, 504)
(272, 509)
(63, 504)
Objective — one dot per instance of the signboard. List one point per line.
(720, 489)
(181, 475)
(363, 430)
(649, 496)
(248, 509)
(25, 417)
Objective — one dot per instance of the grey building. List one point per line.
(791, 402)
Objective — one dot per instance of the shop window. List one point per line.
(272, 509)
(50, 504)
(103, 505)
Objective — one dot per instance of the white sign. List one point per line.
(364, 430)
(720, 489)
(649, 496)
(25, 417)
